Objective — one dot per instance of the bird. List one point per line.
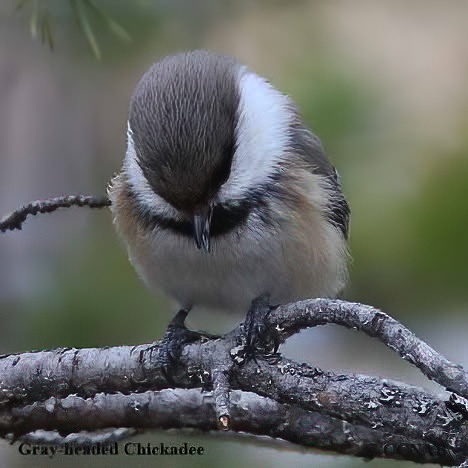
(225, 194)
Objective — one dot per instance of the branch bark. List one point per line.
(68, 390)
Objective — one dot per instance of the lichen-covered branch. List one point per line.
(349, 413)
(291, 318)
(180, 408)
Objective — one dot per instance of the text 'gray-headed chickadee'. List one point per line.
(225, 194)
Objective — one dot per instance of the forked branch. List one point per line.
(128, 387)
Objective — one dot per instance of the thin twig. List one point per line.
(16, 218)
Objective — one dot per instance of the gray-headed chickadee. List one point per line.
(225, 194)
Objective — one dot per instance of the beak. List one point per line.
(201, 225)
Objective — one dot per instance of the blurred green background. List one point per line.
(383, 84)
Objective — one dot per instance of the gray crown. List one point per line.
(183, 115)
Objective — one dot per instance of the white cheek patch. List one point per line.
(139, 183)
(261, 135)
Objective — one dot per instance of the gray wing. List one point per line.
(308, 146)
(339, 212)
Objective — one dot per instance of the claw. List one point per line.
(176, 336)
(255, 327)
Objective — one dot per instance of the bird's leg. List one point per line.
(255, 327)
(176, 336)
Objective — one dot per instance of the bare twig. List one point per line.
(16, 218)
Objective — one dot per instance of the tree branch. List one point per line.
(180, 408)
(291, 318)
(16, 218)
(126, 387)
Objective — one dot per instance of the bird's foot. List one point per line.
(255, 340)
(176, 336)
(216, 375)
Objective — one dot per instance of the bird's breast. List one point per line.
(296, 257)
(228, 277)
